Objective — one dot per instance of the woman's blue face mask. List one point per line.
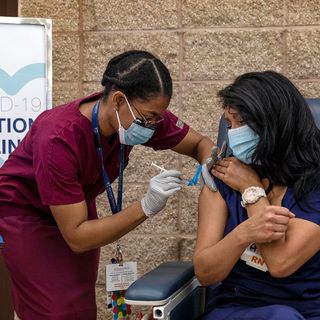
(137, 133)
(243, 142)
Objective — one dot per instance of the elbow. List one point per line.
(280, 269)
(75, 245)
(203, 279)
(76, 248)
(205, 274)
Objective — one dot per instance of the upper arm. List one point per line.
(68, 218)
(190, 145)
(302, 241)
(212, 219)
(57, 172)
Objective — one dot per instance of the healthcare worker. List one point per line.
(71, 154)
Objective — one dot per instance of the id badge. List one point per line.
(251, 255)
(120, 277)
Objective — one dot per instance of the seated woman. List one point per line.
(260, 235)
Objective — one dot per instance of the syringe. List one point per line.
(183, 181)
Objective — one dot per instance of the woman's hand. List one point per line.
(271, 224)
(236, 174)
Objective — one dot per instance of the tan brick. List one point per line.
(140, 169)
(200, 106)
(65, 57)
(64, 13)
(224, 55)
(235, 13)
(130, 14)
(304, 12)
(189, 210)
(91, 87)
(309, 89)
(165, 222)
(187, 246)
(64, 92)
(303, 54)
(149, 251)
(99, 48)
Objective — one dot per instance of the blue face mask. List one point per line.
(243, 142)
(137, 133)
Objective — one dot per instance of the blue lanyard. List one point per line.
(115, 206)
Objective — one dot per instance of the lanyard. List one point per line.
(115, 206)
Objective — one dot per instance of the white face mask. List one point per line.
(137, 133)
(243, 142)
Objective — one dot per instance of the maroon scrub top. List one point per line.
(56, 164)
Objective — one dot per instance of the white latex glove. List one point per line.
(161, 187)
(206, 176)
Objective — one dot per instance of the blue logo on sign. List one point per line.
(13, 84)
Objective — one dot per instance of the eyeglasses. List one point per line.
(150, 121)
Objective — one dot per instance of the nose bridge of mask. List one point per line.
(243, 141)
(242, 134)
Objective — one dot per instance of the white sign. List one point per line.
(25, 77)
(120, 277)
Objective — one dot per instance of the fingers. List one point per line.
(279, 219)
(280, 228)
(214, 152)
(170, 192)
(170, 180)
(223, 150)
(209, 163)
(281, 211)
(220, 168)
(213, 158)
(169, 173)
(276, 236)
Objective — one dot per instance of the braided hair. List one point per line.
(138, 74)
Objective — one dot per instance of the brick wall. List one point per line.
(205, 44)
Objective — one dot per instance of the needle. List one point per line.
(155, 165)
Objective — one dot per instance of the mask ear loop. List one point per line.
(117, 114)
(130, 108)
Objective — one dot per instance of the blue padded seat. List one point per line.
(159, 284)
(314, 105)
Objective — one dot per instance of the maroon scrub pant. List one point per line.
(49, 281)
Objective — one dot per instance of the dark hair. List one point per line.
(138, 74)
(288, 152)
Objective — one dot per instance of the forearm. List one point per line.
(214, 263)
(272, 252)
(92, 234)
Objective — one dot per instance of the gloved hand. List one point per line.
(206, 176)
(161, 187)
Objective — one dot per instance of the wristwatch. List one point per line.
(252, 195)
